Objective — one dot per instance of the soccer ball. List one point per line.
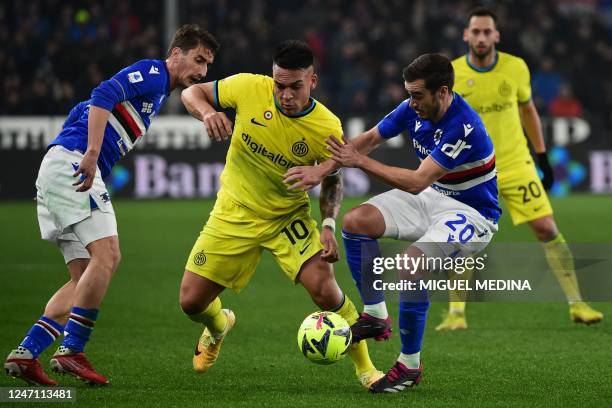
(324, 337)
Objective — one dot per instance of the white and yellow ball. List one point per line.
(324, 337)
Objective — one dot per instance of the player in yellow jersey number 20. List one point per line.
(497, 86)
(278, 125)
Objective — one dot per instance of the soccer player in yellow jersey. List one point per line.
(278, 125)
(497, 86)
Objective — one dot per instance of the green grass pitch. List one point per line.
(513, 354)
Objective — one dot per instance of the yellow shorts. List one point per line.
(523, 193)
(230, 245)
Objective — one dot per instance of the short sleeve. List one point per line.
(396, 121)
(231, 91)
(523, 79)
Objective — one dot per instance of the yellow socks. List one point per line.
(456, 307)
(561, 262)
(457, 297)
(212, 317)
(359, 351)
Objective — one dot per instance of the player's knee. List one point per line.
(115, 258)
(354, 222)
(365, 219)
(545, 230)
(112, 259)
(107, 256)
(190, 305)
(544, 235)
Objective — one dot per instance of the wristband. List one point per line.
(329, 223)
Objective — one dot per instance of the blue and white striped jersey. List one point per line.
(133, 96)
(458, 142)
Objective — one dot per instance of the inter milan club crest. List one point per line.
(267, 115)
(505, 89)
(300, 149)
(437, 136)
(199, 258)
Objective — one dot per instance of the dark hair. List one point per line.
(293, 54)
(435, 69)
(481, 12)
(190, 36)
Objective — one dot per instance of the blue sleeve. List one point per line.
(453, 150)
(142, 78)
(396, 121)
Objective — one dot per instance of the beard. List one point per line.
(481, 54)
(434, 110)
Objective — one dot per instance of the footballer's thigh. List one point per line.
(524, 194)
(296, 245)
(224, 258)
(293, 240)
(227, 250)
(70, 219)
(364, 219)
(456, 230)
(405, 215)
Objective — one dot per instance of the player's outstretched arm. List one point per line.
(368, 141)
(411, 181)
(96, 123)
(332, 191)
(305, 178)
(199, 102)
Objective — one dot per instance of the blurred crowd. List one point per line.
(55, 51)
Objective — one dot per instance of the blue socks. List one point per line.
(360, 252)
(79, 327)
(42, 334)
(412, 316)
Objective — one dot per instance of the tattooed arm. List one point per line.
(332, 191)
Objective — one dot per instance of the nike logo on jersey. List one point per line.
(154, 70)
(467, 129)
(417, 125)
(466, 95)
(304, 250)
(253, 121)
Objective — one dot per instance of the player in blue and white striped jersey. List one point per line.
(74, 208)
(447, 207)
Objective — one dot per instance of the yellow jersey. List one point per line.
(266, 143)
(495, 92)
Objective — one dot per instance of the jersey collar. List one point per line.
(482, 69)
(305, 112)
